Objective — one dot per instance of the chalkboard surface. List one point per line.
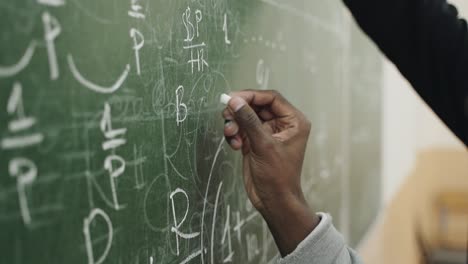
(111, 147)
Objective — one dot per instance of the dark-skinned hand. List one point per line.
(272, 135)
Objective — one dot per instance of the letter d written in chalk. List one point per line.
(87, 234)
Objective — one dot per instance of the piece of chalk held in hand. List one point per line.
(224, 99)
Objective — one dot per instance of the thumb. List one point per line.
(247, 119)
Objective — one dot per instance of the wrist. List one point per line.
(290, 221)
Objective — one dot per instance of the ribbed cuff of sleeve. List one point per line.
(323, 245)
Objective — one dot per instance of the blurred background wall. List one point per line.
(425, 171)
(409, 126)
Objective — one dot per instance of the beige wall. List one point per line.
(462, 6)
(415, 208)
(409, 126)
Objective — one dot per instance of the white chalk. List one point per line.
(224, 99)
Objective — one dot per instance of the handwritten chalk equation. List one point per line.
(136, 35)
(21, 135)
(219, 230)
(198, 56)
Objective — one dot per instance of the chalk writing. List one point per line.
(138, 42)
(197, 51)
(95, 87)
(214, 221)
(181, 108)
(137, 163)
(215, 159)
(21, 168)
(52, 30)
(87, 234)
(275, 45)
(21, 122)
(227, 235)
(110, 78)
(26, 173)
(262, 75)
(113, 163)
(252, 246)
(225, 29)
(135, 10)
(8, 71)
(54, 3)
(178, 224)
(135, 34)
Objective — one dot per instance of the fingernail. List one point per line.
(233, 142)
(236, 103)
(228, 118)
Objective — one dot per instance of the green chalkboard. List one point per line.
(111, 133)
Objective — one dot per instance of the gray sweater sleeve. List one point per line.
(325, 245)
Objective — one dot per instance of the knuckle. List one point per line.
(276, 93)
(308, 124)
(305, 125)
(279, 96)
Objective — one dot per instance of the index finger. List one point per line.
(276, 103)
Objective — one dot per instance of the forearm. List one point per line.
(290, 221)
